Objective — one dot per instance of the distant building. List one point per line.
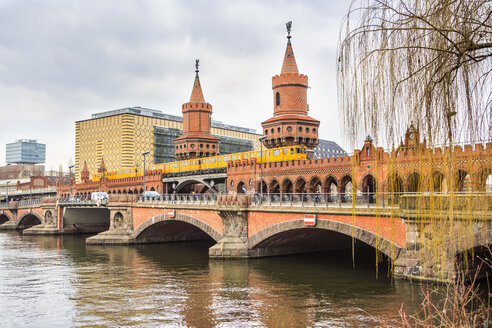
(20, 171)
(25, 151)
(326, 148)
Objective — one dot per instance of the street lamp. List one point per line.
(70, 181)
(7, 183)
(145, 154)
(261, 164)
(30, 187)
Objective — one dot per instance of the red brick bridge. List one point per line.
(242, 229)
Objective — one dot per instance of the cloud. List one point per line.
(61, 61)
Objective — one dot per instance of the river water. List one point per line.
(61, 282)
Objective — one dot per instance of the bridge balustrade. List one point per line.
(200, 199)
(326, 199)
(29, 202)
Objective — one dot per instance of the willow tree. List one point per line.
(421, 61)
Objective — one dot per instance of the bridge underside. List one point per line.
(305, 240)
(171, 231)
(28, 221)
(3, 218)
(86, 219)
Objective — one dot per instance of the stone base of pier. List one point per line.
(42, 230)
(112, 237)
(8, 226)
(229, 247)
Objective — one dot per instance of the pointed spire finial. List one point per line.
(197, 62)
(289, 27)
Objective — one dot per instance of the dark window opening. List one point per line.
(277, 99)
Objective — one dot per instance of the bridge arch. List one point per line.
(28, 220)
(287, 186)
(180, 228)
(272, 236)
(438, 181)
(241, 188)
(183, 184)
(274, 187)
(461, 180)
(315, 184)
(483, 179)
(300, 185)
(414, 182)
(4, 217)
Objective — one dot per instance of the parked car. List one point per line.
(151, 195)
(100, 196)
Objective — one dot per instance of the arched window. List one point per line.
(277, 99)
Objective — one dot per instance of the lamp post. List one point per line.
(261, 164)
(30, 187)
(70, 181)
(144, 154)
(7, 183)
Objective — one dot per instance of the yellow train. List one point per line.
(210, 163)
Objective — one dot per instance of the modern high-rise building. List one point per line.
(25, 151)
(121, 137)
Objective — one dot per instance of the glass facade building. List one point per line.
(25, 151)
(327, 148)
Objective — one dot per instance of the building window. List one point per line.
(278, 129)
(314, 130)
(277, 99)
(300, 129)
(201, 145)
(272, 130)
(307, 130)
(266, 131)
(289, 129)
(367, 151)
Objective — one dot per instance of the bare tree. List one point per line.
(423, 61)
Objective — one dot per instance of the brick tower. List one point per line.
(290, 124)
(196, 141)
(85, 174)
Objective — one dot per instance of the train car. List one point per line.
(209, 163)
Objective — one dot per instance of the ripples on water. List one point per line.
(61, 282)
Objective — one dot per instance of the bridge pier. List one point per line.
(233, 244)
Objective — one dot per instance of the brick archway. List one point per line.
(207, 229)
(315, 185)
(29, 219)
(4, 217)
(387, 247)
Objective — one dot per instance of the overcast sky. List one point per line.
(62, 60)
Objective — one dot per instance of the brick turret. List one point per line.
(290, 124)
(197, 140)
(85, 174)
(102, 167)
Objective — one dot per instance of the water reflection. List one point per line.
(176, 285)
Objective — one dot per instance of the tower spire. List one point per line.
(196, 93)
(289, 65)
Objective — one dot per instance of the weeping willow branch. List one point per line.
(420, 61)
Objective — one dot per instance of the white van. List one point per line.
(151, 195)
(100, 196)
